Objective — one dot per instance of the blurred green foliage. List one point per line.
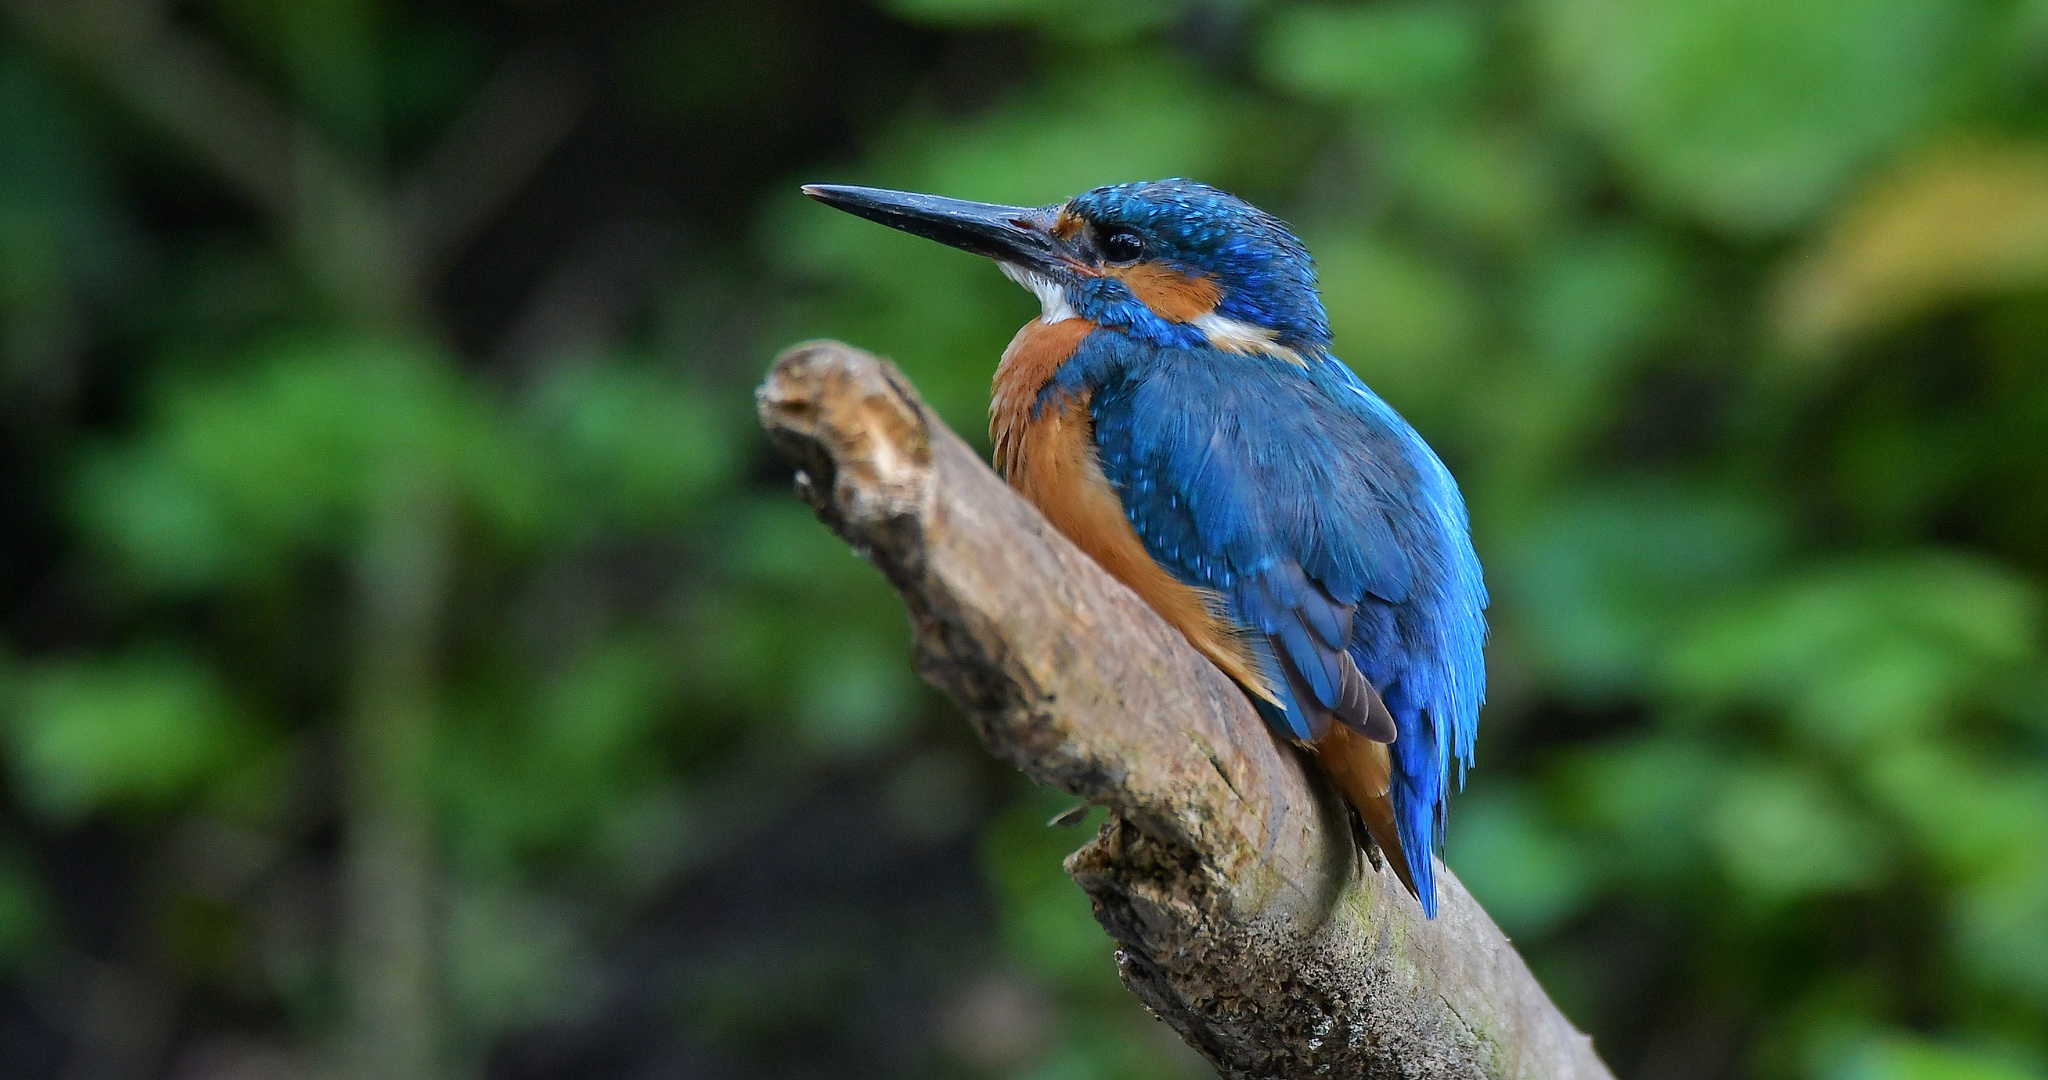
(1730, 315)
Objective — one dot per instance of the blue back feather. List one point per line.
(1295, 492)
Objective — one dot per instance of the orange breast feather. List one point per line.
(1050, 459)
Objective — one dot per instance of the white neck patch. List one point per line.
(1052, 296)
(1236, 335)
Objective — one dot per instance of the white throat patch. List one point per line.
(1052, 297)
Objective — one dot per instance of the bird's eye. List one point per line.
(1122, 246)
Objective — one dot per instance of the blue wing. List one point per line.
(1327, 526)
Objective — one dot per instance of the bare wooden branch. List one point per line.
(1243, 914)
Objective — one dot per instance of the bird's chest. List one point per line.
(1049, 455)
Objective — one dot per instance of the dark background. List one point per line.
(416, 666)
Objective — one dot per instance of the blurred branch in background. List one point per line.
(376, 249)
(487, 155)
(179, 83)
(326, 202)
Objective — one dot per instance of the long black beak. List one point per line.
(1013, 234)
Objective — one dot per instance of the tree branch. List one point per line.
(1228, 877)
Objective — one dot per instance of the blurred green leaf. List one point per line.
(1975, 816)
(1782, 832)
(1489, 184)
(1590, 307)
(1421, 54)
(1404, 322)
(1594, 298)
(1076, 19)
(1045, 919)
(242, 474)
(2000, 926)
(1864, 651)
(130, 731)
(1751, 114)
(1528, 875)
(1646, 797)
(1899, 1057)
(1603, 577)
(590, 715)
(545, 769)
(853, 696)
(778, 541)
(651, 448)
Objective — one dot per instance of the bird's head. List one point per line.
(1171, 261)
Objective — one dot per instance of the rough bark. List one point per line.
(1243, 914)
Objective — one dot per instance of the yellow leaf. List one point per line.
(1955, 222)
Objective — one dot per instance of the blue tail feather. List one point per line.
(1419, 793)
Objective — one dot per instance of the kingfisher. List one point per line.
(1175, 410)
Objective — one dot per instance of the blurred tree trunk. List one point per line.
(388, 864)
(369, 244)
(1244, 916)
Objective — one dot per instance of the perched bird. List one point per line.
(1176, 412)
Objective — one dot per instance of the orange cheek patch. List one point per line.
(1171, 294)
